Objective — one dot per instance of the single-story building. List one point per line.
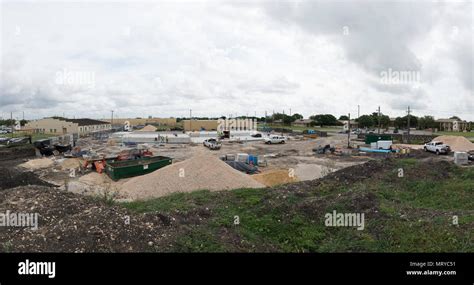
(67, 126)
(453, 125)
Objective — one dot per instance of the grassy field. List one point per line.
(410, 214)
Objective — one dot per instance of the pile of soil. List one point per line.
(457, 143)
(38, 163)
(200, 172)
(12, 177)
(73, 223)
(358, 172)
(18, 152)
(275, 177)
(70, 163)
(148, 128)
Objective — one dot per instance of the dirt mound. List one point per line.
(357, 172)
(11, 177)
(274, 177)
(72, 223)
(10, 153)
(148, 128)
(200, 172)
(38, 163)
(70, 163)
(457, 143)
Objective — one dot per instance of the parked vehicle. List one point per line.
(212, 144)
(3, 132)
(275, 139)
(437, 147)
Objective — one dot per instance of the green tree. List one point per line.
(297, 116)
(366, 121)
(426, 122)
(325, 120)
(344, 118)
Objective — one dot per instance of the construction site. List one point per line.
(92, 182)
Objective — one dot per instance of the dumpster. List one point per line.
(370, 138)
(129, 168)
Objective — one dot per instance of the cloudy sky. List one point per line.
(236, 57)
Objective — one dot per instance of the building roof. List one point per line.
(86, 122)
(449, 121)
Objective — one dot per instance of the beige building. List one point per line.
(67, 126)
(144, 121)
(200, 125)
(453, 125)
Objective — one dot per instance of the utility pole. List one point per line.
(112, 118)
(349, 132)
(12, 123)
(290, 112)
(378, 117)
(358, 111)
(408, 124)
(190, 120)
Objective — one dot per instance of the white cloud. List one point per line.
(219, 58)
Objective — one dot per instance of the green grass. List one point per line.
(410, 214)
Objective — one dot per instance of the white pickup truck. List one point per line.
(274, 139)
(212, 144)
(437, 147)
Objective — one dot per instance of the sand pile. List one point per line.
(200, 172)
(457, 143)
(70, 163)
(39, 163)
(148, 128)
(275, 177)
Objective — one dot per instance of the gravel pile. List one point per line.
(200, 172)
(38, 163)
(457, 143)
